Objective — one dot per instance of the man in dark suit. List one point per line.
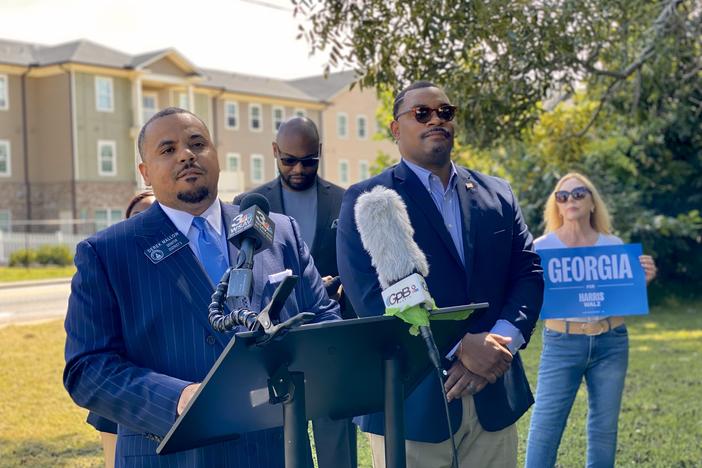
(138, 337)
(471, 229)
(314, 203)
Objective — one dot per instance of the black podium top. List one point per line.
(343, 367)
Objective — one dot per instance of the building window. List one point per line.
(363, 172)
(106, 217)
(342, 125)
(107, 155)
(278, 117)
(256, 168)
(149, 105)
(344, 172)
(104, 94)
(5, 161)
(255, 123)
(300, 113)
(231, 115)
(4, 93)
(233, 162)
(362, 127)
(5, 221)
(184, 101)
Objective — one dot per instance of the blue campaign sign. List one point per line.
(591, 281)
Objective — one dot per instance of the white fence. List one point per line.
(11, 241)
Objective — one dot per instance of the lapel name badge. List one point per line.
(166, 247)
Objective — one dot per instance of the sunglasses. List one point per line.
(307, 161)
(422, 114)
(578, 193)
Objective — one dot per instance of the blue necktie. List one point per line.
(210, 256)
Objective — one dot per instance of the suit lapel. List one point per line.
(228, 214)
(412, 188)
(324, 216)
(275, 195)
(182, 267)
(469, 214)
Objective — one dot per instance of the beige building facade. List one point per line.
(70, 116)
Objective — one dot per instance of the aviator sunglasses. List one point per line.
(310, 160)
(422, 114)
(578, 193)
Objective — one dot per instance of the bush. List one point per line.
(23, 257)
(54, 255)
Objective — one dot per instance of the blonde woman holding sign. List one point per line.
(594, 348)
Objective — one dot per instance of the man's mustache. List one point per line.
(441, 130)
(189, 167)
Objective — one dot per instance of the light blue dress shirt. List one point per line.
(448, 204)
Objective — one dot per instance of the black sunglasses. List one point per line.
(422, 114)
(310, 160)
(578, 193)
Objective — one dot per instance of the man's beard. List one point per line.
(306, 183)
(194, 196)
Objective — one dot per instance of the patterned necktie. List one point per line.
(210, 256)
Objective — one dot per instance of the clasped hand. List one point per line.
(485, 354)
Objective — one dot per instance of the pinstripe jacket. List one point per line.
(138, 333)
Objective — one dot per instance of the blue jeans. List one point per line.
(566, 358)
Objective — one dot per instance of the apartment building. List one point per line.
(70, 116)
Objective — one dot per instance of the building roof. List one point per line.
(325, 88)
(314, 89)
(250, 84)
(80, 51)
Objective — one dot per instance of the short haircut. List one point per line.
(162, 113)
(299, 125)
(401, 95)
(137, 198)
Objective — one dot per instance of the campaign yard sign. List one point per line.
(593, 281)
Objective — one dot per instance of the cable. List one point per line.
(454, 461)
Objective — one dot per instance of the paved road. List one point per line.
(37, 302)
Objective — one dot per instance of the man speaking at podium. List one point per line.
(471, 229)
(138, 336)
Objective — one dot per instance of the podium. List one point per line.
(337, 369)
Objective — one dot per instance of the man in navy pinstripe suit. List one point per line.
(138, 338)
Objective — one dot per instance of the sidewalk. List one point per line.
(29, 284)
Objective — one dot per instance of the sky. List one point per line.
(255, 37)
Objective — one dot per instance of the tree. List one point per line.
(612, 88)
(500, 59)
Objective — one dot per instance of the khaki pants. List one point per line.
(476, 447)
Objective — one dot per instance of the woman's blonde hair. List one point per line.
(599, 218)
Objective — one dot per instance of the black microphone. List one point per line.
(251, 231)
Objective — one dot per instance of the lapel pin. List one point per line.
(470, 186)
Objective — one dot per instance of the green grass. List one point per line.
(660, 423)
(10, 274)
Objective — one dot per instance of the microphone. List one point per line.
(251, 231)
(386, 234)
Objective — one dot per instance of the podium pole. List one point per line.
(288, 388)
(394, 413)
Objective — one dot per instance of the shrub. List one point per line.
(23, 257)
(54, 255)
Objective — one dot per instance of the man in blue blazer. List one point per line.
(138, 337)
(471, 229)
